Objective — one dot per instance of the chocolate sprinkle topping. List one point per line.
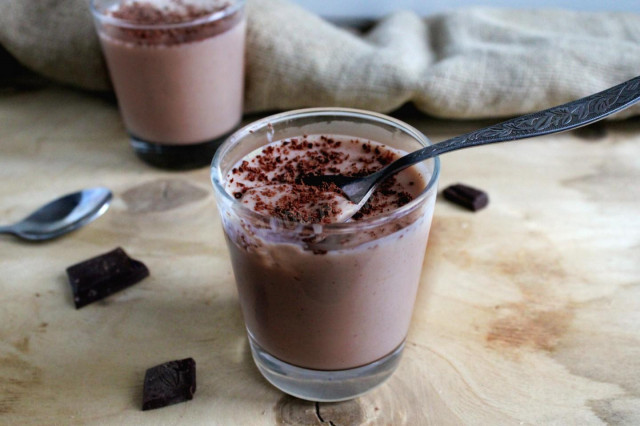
(287, 161)
(148, 14)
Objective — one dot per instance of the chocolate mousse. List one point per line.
(343, 296)
(177, 67)
(270, 181)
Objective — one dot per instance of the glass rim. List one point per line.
(374, 117)
(123, 23)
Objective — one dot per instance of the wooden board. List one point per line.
(528, 312)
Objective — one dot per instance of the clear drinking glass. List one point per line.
(327, 307)
(178, 77)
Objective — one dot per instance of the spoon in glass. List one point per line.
(553, 120)
(62, 215)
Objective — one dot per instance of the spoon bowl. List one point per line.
(62, 215)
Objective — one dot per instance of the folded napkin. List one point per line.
(469, 63)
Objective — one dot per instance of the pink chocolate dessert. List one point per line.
(334, 302)
(177, 68)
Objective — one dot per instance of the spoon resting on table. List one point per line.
(62, 215)
(553, 120)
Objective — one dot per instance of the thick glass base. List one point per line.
(177, 157)
(323, 385)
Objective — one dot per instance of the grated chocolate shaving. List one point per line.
(288, 161)
(146, 13)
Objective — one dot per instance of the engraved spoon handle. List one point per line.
(6, 230)
(553, 120)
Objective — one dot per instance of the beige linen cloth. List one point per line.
(470, 63)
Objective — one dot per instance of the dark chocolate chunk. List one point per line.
(169, 383)
(592, 132)
(103, 275)
(466, 196)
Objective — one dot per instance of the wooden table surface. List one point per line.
(528, 311)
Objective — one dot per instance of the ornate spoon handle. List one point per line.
(6, 230)
(553, 120)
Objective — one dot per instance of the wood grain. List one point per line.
(528, 312)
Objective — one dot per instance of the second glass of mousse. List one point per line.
(177, 67)
(327, 298)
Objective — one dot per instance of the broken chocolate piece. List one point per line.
(592, 132)
(466, 196)
(103, 275)
(169, 383)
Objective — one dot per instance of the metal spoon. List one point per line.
(62, 215)
(553, 120)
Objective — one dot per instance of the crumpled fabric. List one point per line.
(464, 64)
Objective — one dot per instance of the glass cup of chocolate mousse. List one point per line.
(327, 299)
(177, 68)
